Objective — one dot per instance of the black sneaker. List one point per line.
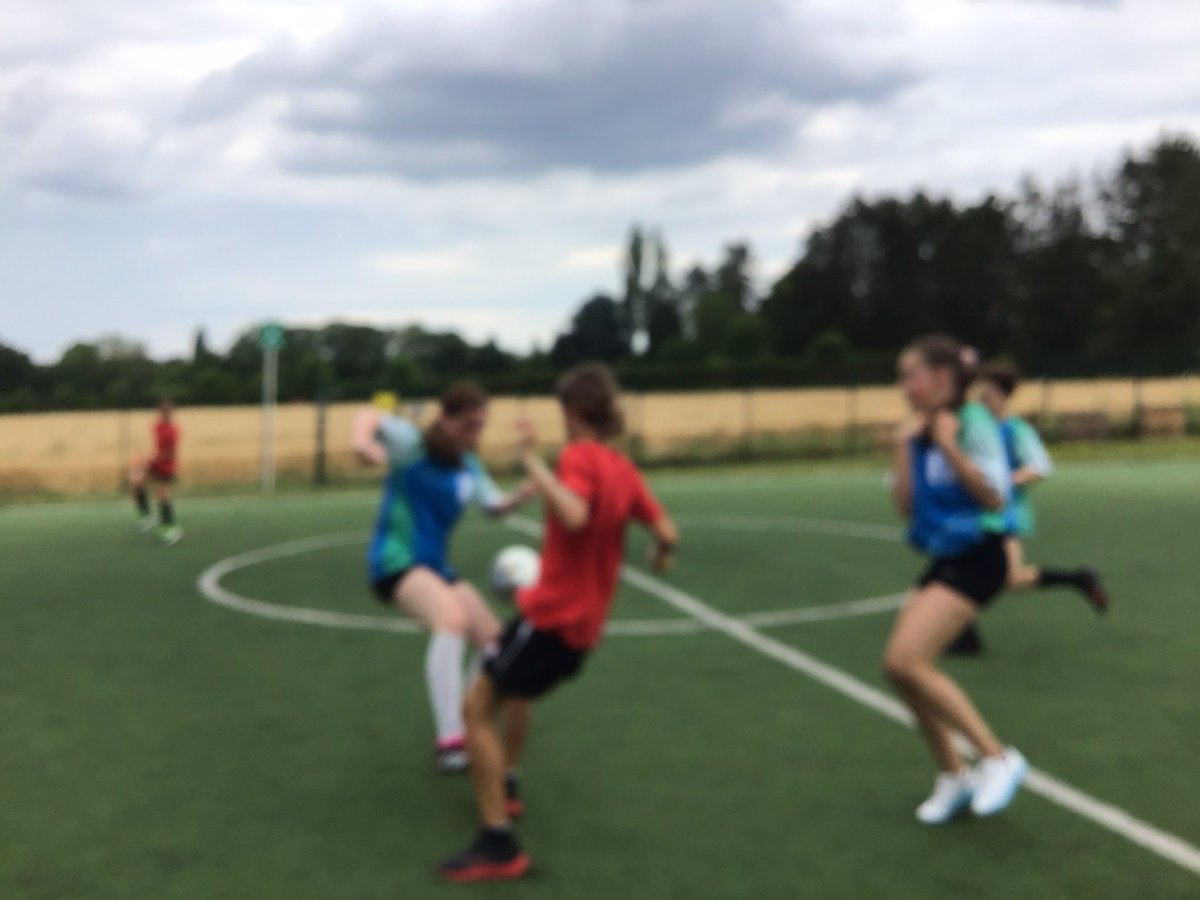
(968, 643)
(494, 855)
(1093, 590)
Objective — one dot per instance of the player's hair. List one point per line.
(1005, 376)
(591, 391)
(941, 351)
(460, 398)
(463, 397)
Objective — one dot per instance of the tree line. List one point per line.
(1071, 279)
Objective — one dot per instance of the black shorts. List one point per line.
(161, 474)
(527, 663)
(980, 574)
(385, 587)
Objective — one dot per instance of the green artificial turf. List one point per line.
(155, 745)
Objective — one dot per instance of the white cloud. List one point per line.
(480, 162)
(603, 256)
(435, 262)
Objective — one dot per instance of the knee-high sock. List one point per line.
(141, 500)
(1076, 578)
(444, 678)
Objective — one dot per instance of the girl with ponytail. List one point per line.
(952, 483)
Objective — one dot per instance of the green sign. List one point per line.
(271, 336)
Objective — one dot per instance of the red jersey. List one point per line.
(580, 570)
(166, 439)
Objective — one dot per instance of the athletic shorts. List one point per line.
(385, 587)
(980, 574)
(527, 663)
(160, 473)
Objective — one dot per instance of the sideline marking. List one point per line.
(1137, 831)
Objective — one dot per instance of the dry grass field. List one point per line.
(86, 452)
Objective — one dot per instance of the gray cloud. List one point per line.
(607, 88)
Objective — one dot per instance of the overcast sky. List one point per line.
(475, 164)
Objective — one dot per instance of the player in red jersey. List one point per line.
(592, 495)
(161, 468)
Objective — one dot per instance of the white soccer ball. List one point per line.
(512, 569)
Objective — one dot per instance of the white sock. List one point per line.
(444, 678)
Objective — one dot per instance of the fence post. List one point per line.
(123, 450)
(748, 421)
(1138, 407)
(851, 416)
(639, 442)
(320, 470)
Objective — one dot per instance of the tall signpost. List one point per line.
(270, 338)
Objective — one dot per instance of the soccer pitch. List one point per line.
(732, 737)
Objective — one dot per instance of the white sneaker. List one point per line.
(171, 535)
(951, 795)
(997, 780)
(146, 523)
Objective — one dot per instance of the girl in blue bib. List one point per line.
(951, 481)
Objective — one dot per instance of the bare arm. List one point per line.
(563, 503)
(902, 466)
(974, 482)
(1028, 476)
(363, 438)
(522, 495)
(666, 538)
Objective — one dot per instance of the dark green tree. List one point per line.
(1153, 220)
(664, 316)
(598, 332)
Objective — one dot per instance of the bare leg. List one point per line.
(425, 596)
(487, 752)
(517, 721)
(1021, 576)
(166, 511)
(937, 732)
(137, 485)
(932, 618)
(482, 625)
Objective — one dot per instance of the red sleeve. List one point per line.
(576, 472)
(645, 508)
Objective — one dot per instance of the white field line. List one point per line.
(209, 586)
(1164, 844)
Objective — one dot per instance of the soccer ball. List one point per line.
(512, 569)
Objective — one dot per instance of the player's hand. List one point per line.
(372, 455)
(527, 440)
(943, 428)
(662, 557)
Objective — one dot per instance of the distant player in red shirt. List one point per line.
(161, 468)
(591, 496)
